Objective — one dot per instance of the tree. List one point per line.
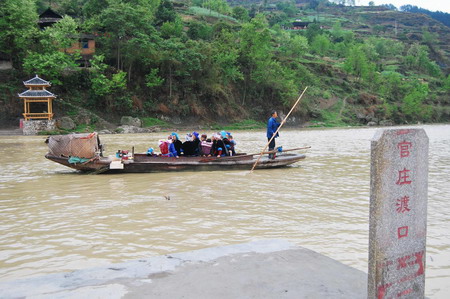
(313, 4)
(140, 51)
(94, 8)
(181, 64)
(358, 64)
(123, 23)
(312, 31)
(337, 33)
(447, 83)
(320, 45)
(105, 83)
(50, 57)
(63, 34)
(220, 6)
(392, 87)
(169, 61)
(240, 13)
(428, 37)
(226, 55)
(255, 50)
(341, 49)
(377, 29)
(18, 27)
(288, 8)
(152, 79)
(297, 46)
(412, 104)
(172, 29)
(386, 48)
(72, 8)
(199, 30)
(265, 77)
(417, 60)
(390, 6)
(101, 84)
(50, 65)
(165, 13)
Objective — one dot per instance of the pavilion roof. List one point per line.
(37, 81)
(50, 14)
(37, 94)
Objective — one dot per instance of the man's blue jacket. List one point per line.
(272, 127)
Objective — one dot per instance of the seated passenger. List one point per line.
(189, 146)
(177, 143)
(172, 150)
(151, 152)
(218, 147)
(196, 142)
(232, 144)
(168, 148)
(205, 146)
(227, 143)
(163, 147)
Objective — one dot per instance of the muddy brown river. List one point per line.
(53, 219)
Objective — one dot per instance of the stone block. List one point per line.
(130, 121)
(33, 127)
(398, 213)
(65, 123)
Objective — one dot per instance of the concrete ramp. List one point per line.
(262, 269)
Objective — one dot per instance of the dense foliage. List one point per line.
(210, 61)
(442, 17)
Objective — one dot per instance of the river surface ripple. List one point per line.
(54, 219)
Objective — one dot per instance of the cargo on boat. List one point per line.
(84, 152)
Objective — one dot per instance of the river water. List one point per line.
(53, 219)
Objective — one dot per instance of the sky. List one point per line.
(433, 5)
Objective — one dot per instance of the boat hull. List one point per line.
(144, 164)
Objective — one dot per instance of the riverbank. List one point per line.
(11, 132)
(260, 269)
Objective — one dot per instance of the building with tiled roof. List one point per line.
(36, 81)
(48, 18)
(38, 95)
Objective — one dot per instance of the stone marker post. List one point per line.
(398, 213)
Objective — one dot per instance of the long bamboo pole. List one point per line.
(275, 134)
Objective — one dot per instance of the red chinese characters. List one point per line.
(404, 148)
(403, 176)
(402, 232)
(403, 204)
(399, 264)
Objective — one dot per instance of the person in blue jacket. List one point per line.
(272, 126)
(172, 150)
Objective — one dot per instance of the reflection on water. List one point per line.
(54, 219)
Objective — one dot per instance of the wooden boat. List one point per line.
(86, 148)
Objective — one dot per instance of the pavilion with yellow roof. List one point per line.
(37, 93)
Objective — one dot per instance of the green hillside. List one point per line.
(209, 63)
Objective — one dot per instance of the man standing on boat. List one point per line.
(272, 127)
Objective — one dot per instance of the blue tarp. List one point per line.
(77, 160)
